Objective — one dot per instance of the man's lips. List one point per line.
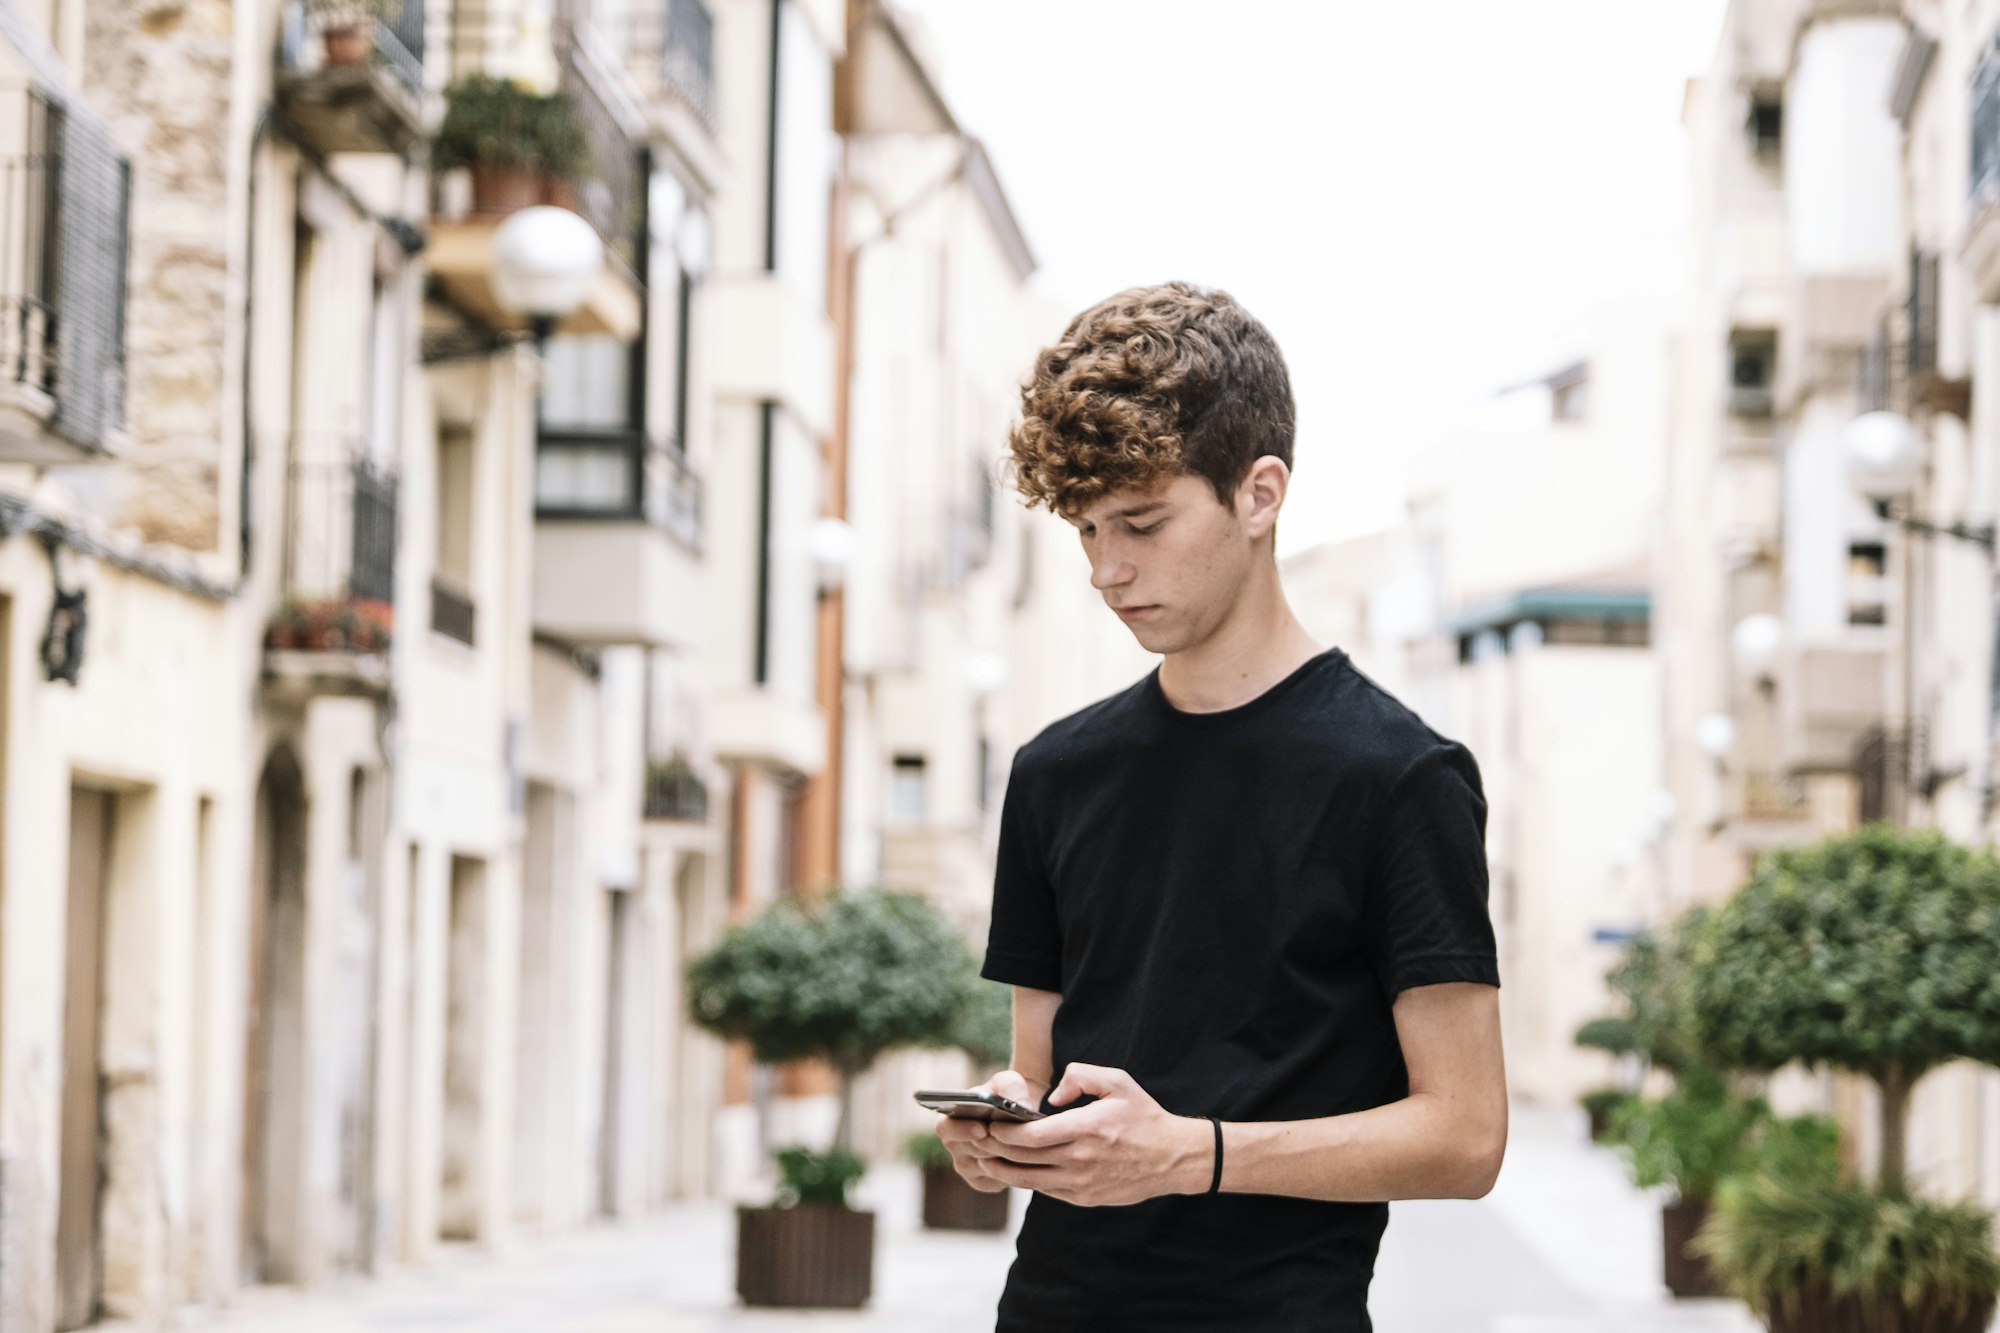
(1132, 612)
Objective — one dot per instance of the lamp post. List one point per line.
(1885, 455)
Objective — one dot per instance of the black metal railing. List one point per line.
(609, 194)
(1885, 764)
(675, 791)
(396, 42)
(671, 51)
(1922, 314)
(452, 612)
(618, 475)
(340, 525)
(28, 221)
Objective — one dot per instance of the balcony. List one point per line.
(618, 532)
(675, 791)
(368, 101)
(332, 630)
(65, 219)
(670, 54)
(1981, 251)
(772, 343)
(1829, 694)
(761, 725)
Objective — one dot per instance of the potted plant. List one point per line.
(1613, 1035)
(1832, 1256)
(985, 1032)
(347, 27)
(496, 128)
(1872, 952)
(842, 979)
(1687, 1140)
(1599, 1105)
(331, 624)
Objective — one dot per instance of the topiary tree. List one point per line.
(1876, 952)
(986, 1024)
(1652, 978)
(844, 979)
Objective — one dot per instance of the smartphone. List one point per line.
(967, 1105)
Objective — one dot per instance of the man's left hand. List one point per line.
(1121, 1148)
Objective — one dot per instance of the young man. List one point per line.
(1245, 896)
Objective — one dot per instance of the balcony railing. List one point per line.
(675, 791)
(1985, 177)
(375, 104)
(397, 42)
(671, 52)
(340, 528)
(618, 475)
(337, 574)
(65, 223)
(27, 242)
(610, 194)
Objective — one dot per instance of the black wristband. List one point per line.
(1215, 1186)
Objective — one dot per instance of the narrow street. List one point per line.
(1562, 1245)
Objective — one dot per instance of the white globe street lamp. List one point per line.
(1715, 734)
(1885, 455)
(831, 542)
(985, 670)
(1755, 642)
(545, 261)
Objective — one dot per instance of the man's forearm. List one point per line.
(1410, 1149)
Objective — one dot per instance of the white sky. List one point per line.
(1416, 198)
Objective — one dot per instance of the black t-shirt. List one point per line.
(1229, 902)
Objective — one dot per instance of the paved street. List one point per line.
(1561, 1245)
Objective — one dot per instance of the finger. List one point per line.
(1098, 1080)
(1048, 1132)
(1022, 1177)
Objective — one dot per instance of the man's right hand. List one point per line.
(968, 1140)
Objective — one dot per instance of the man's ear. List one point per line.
(1262, 494)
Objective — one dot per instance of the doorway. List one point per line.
(79, 1233)
(274, 1085)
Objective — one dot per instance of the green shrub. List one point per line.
(495, 122)
(1770, 1238)
(807, 1175)
(1689, 1139)
(986, 1024)
(1613, 1034)
(925, 1148)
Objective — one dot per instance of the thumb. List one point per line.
(1080, 1078)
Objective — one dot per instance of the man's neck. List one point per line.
(1259, 644)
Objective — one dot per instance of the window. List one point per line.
(1867, 583)
(907, 785)
(1753, 363)
(983, 785)
(1766, 123)
(1569, 400)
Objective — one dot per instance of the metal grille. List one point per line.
(452, 612)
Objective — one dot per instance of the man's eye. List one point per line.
(1140, 532)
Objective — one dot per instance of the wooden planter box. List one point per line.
(1818, 1311)
(811, 1254)
(952, 1205)
(1686, 1274)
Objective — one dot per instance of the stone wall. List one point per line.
(158, 72)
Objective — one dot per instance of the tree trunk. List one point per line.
(843, 1134)
(1896, 1086)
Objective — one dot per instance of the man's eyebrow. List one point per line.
(1130, 511)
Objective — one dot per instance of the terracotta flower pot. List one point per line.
(504, 189)
(1686, 1274)
(349, 43)
(560, 191)
(811, 1254)
(952, 1205)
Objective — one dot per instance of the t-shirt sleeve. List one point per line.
(1023, 941)
(1426, 916)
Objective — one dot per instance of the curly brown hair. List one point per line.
(1149, 384)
